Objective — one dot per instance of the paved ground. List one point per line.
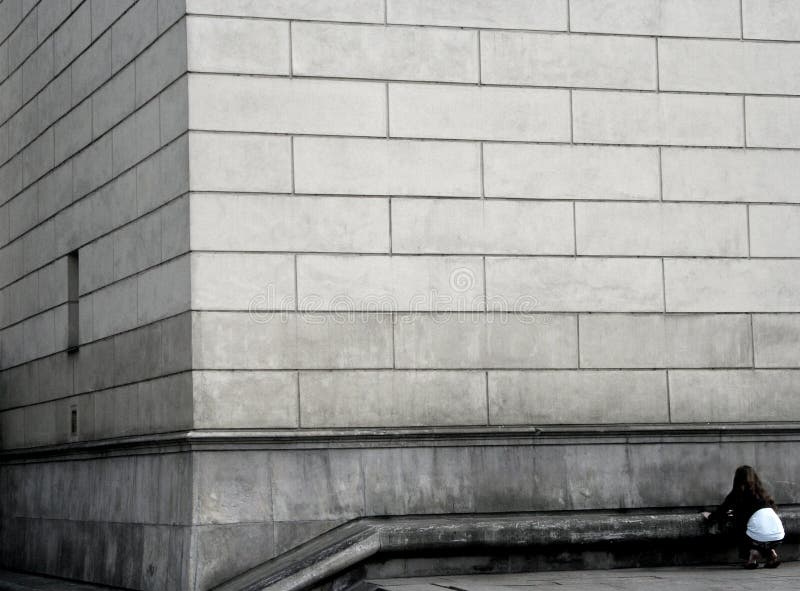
(14, 581)
(785, 578)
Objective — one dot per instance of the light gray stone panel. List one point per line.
(242, 281)
(398, 53)
(176, 343)
(164, 290)
(134, 31)
(22, 41)
(161, 63)
(231, 488)
(92, 363)
(39, 246)
(137, 246)
(658, 340)
(481, 226)
(237, 45)
(386, 167)
(136, 137)
(50, 15)
(56, 374)
(115, 203)
(775, 231)
(23, 127)
(657, 119)
(10, 178)
(239, 162)
(777, 340)
(392, 398)
(92, 167)
(661, 229)
(577, 397)
(52, 284)
(73, 36)
(412, 283)
(245, 399)
(55, 190)
(169, 11)
(724, 285)
(23, 212)
(174, 228)
(370, 11)
(91, 69)
(773, 122)
(681, 18)
(731, 175)
(734, 396)
(137, 355)
(481, 340)
(566, 284)
(286, 340)
(114, 308)
(538, 59)
(74, 131)
(38, 157)
(243, 103)
(574, 172)
(247, 546)
(494, 14)
(55, 99)
(771, 19)
(729, 66)
(173, 109)
(166, 404)
(163, 176)
(476, 112)
(289, 223)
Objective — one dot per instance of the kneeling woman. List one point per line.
(752, 511)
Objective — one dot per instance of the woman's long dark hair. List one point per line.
(747, 484)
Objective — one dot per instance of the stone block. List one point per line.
(73, 36)
(242, 281)
(41, 425)
(5, 153)
(85, 318)
(777, 340)
(471, 226)
(239, 162)
(232, 488)
(56, 375)
(37, 70)
(408, 283)
(577, 397)
(289, 223)
(137, 356)
(392, 399)
(10, 178)
(55, 190)
(538, 59)
(21, 299)
(105, 12)
(681, 18)
(39, 246)
(661, 229)
(97, 264)
(114, 101)
(774, 230)
(136, 137)
(163, 176)
(368, 11)
(38, 158)
(248, 544)
(731, 396)
(245, 399)
(10, 95)
(164, 290)
(73, 132)
(481, 340)
(22, 40)
(280, 105)
(52, 284)
(386, 167)
(23, 127)
(11, 262)
(137, 246)
(504, 14)
(771, 19)
(4, 60)
(161, 63)
(92, 363)
(747, 285)
(561, 284)
(114, 308)
(166, 405)
(176, 343)
(11, 13)
(237, 45)
(50, 15)
(573, 172)
(169, 11)
(23, 212)
(115, 204)
(134, 31)
(55, 99)
(657, 119)
(474, 112)
(92, 167)
(730, 175)
(174, 228)
(21, 385)
(729, 66)
(173, 109)
(91, 69)
(657, 340)
(399, 53)
(284, 340)
(773, 122)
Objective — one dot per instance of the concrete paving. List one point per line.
(701, 578)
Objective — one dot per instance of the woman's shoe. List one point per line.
(753, 560)
(773, 561)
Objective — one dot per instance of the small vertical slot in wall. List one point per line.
(73, 335)
(73, 421)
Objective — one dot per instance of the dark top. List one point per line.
(737, 508)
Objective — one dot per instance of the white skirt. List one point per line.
(765, 526)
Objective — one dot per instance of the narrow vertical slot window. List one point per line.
(73, 335)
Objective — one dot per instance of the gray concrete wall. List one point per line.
(93, 161)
